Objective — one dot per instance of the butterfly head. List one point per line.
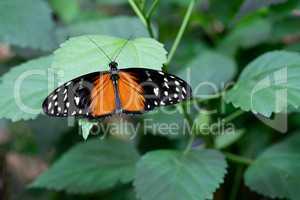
(113, 65)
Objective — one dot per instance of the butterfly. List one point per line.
(116, 91)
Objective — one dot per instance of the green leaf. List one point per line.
(121, 26)
(228, 138)
(66, 9)
(91, 166)
(26, 24)
(275, 173)
(80, 56)
(263, 83)
(173, 175)
(248, 33)
(25, 87)
(208, 73)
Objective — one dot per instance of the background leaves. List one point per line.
(195, 175)
(18, 20)
(91, 166)
(208, 73)
(25, 87)
(275, 172)
(263, 79)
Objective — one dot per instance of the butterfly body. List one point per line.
(117, 91)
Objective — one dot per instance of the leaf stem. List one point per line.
(152, 9)
(181, 30)
(238, 159)
(189, 144)
(232, 116)
(238, 175)
(146, 21)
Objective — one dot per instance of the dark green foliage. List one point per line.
(241, 58)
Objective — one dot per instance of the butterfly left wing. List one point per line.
(88, 96)
(145, 89)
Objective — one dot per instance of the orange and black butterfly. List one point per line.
(117, 91)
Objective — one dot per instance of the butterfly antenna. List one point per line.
(102, 51)
(122, 47)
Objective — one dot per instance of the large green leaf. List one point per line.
(173, 175)
(80, 56)
(121, 26)
(26, 24)
(208, 73)
(24, 88)
(276, 173)
(91, 166)
(264, 82)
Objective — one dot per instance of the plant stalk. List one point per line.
(145, 20)
(181, 30)
(233, 116)
(238, 159)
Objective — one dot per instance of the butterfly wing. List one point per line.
(89, 96)
(145, 89)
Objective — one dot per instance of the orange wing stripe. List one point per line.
(131, 93)
(102, 98)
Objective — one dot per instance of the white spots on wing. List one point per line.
(175, 95)
(68, 83)
(183, 90)
(177, 83)
(65, 111)
(177, 89)
(49, 105)
(172, 76)
(182, 96)
(55, 103)
(155, 90)
(148, 106)
(155, 103)
(68, 104)
(166, 80)
(147, 73)
(166, 93)
(59, 109)
(162, 103)
(80, 112)
(149, 79)
(166, 85)
(54, 97)
(65, 97)
(76, 100)
(52, 112)
(65, 91)
(73, 113)
(161, 73)
(87, 113)
(58, 89)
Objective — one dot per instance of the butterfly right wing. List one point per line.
(146, 89)
(88, 96)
